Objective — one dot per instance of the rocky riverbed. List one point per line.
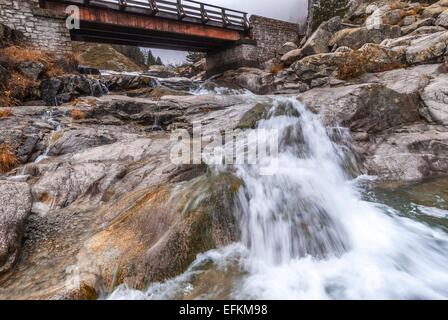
(93, 200)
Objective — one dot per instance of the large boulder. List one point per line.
(160, 71)
(405, 80)
(410, 153)
(292, 56)
(31, 69)
(355, 38)
(418, 24)
(349, 64)
(318, 42)
(160, 232)
(15, 206)
(442, 20)
(285, 48)
(435, 97)
(428, 48)
(59, 90)
(124, 82)
(252, 79)
(369, 108)
(434, 10)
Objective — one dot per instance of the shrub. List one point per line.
(5, 113)
(7, 158)
(78, 114)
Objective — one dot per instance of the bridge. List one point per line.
(185, 25)
(229, 37)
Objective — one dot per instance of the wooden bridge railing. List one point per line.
(179, 9)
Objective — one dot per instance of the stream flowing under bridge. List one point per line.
(229, 37)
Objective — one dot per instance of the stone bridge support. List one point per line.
(267, 36)
(43, 29)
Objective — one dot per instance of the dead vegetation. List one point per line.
(78, 114)
(8, 158)
(358, 62)
(17, 87)
(5, 113)
(276, 68)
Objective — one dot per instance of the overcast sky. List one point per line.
(289, 10)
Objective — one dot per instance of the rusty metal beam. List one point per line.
(172, 30)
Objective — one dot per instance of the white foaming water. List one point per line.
(308, 234)
(48, 116)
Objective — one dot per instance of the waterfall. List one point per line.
(307, 232)
(48, 117)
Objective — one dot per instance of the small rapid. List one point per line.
(309, 233)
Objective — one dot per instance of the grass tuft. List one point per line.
(8, 158)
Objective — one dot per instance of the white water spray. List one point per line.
(309, 235)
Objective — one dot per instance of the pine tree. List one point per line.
(193, 57)
(150, 59)
(323, 10)
(133, 53)
(159, 61)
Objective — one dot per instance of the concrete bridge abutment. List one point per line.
(266, 37)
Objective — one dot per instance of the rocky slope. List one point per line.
(103, 57)
(92, 199)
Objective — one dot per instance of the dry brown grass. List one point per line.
(5, 99)
(276, 68)
(20, 85)
(15, 54)
(356, 63)
(8, 158)
(77, 114)
(55, 65)
(5, 113)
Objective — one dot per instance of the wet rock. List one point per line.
(252, 79)
(405, 81)
(178, 83)
(88, 70)
(163, 243)
(435, 97)
(77, 174)
(156, 93)
(121, 83)
(15, 200)
(59, 90)
(31, 69)
(410, 153)
(77, 140)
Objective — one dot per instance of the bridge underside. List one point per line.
(105, 25)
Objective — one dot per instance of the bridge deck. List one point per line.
(177, 25)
